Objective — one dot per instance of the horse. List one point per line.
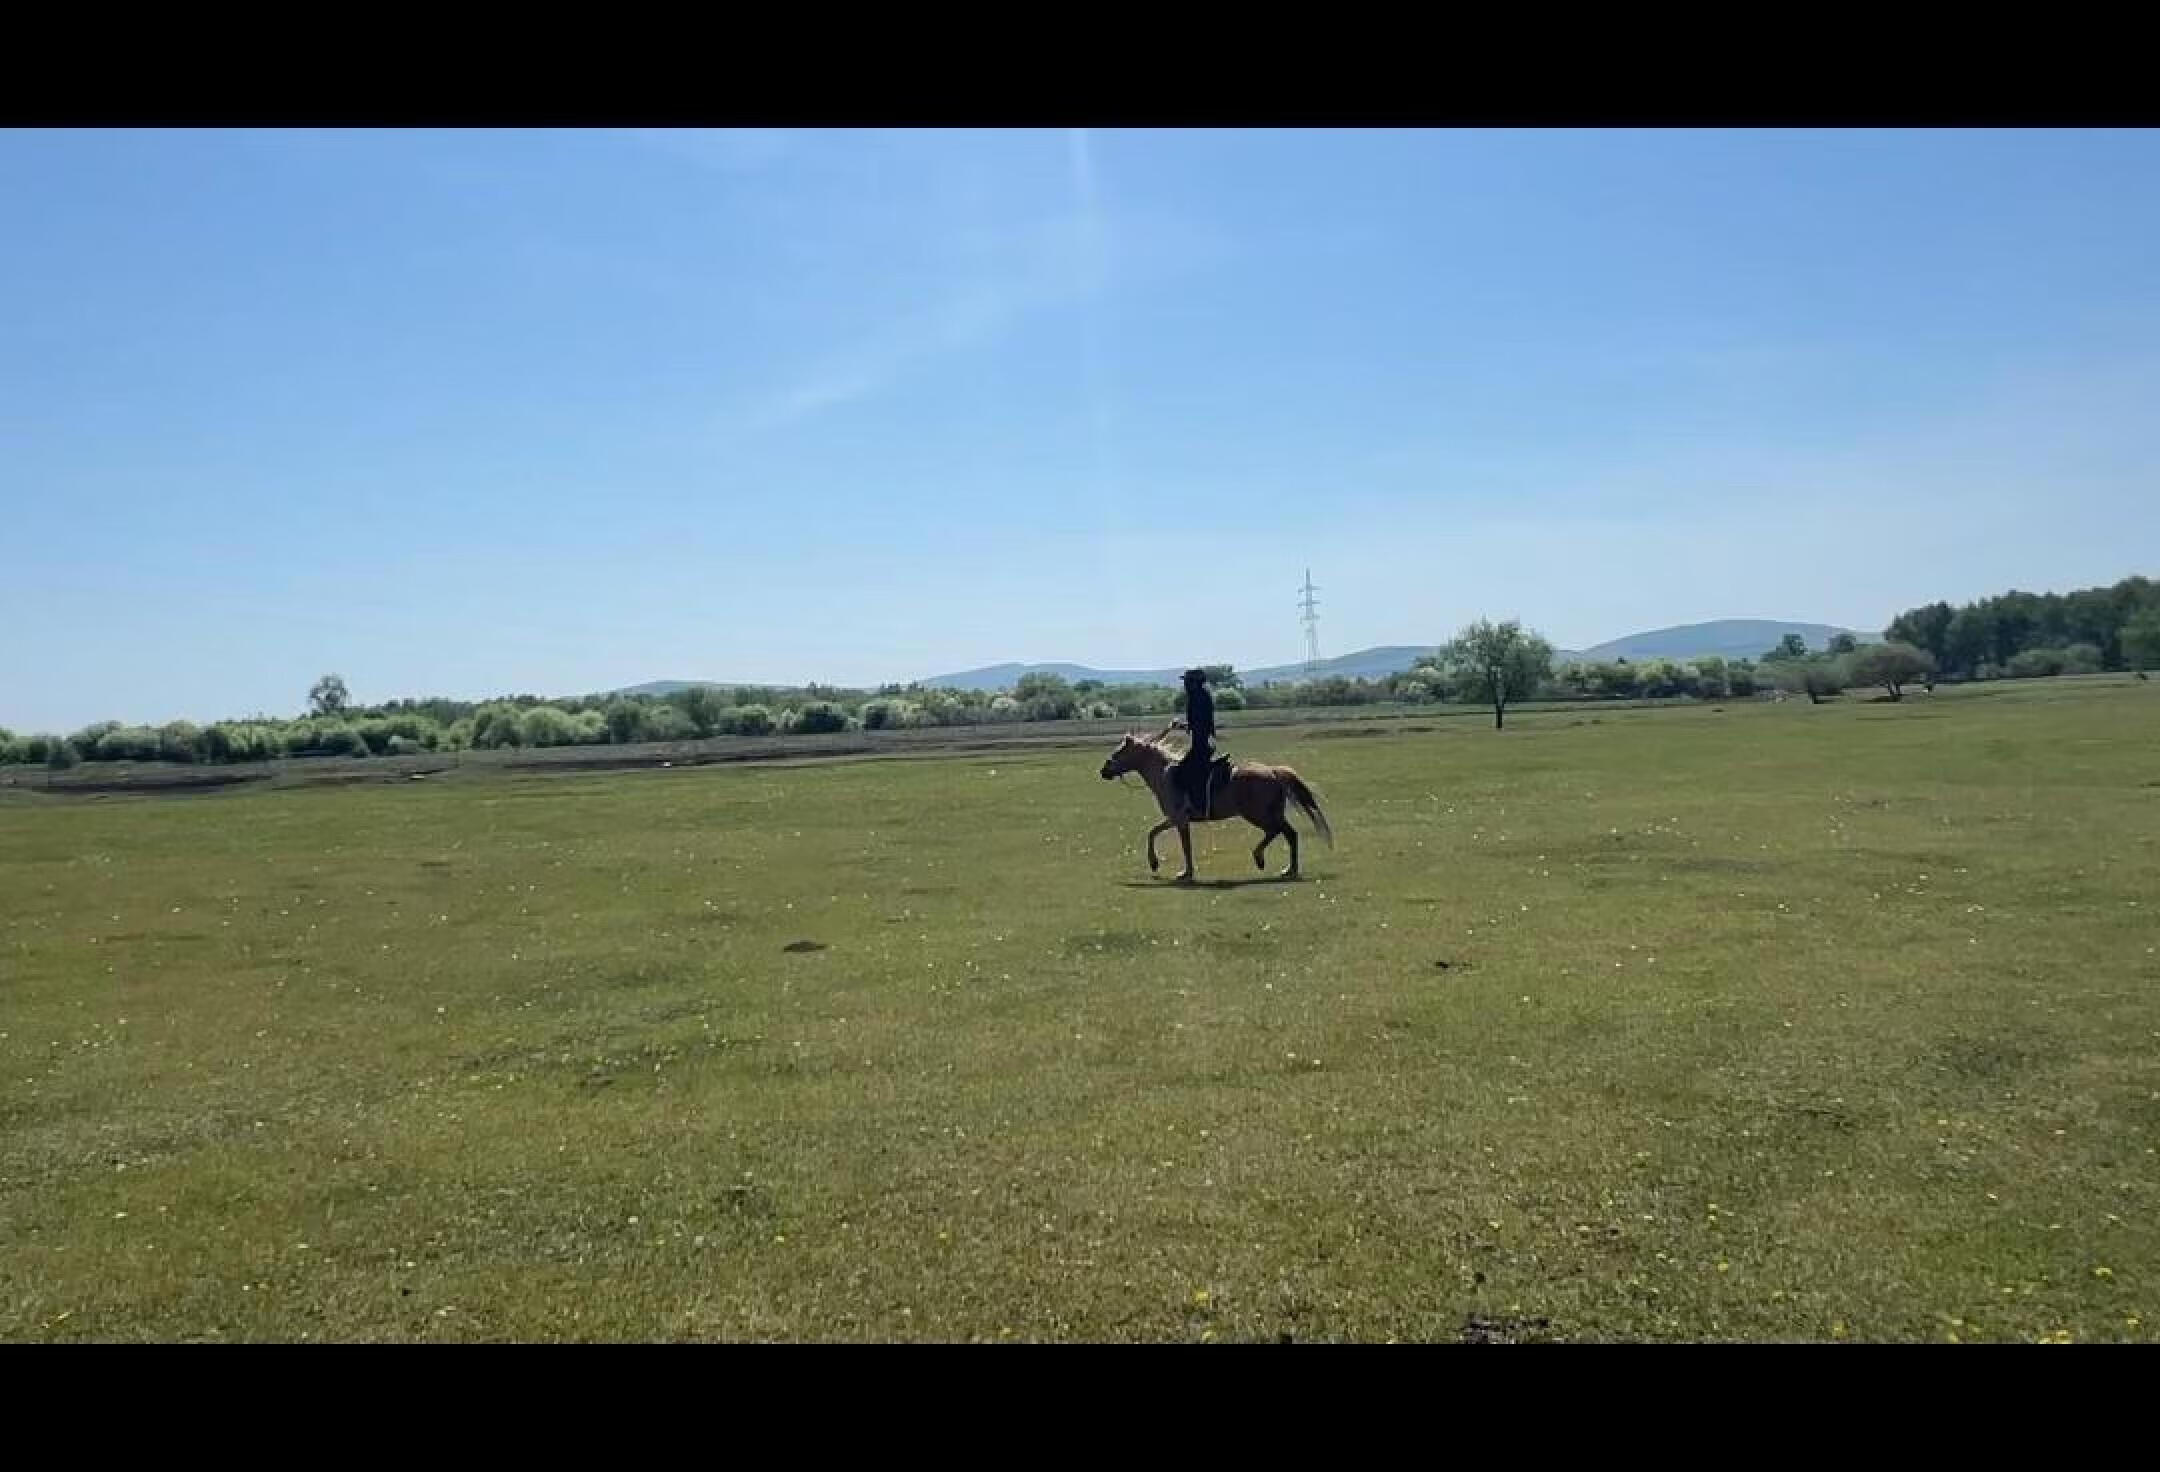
(1259, 794)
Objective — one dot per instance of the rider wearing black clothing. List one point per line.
(1199, 723)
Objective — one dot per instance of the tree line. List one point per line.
(2014, 635)
(2017, 635)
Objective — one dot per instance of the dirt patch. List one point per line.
(176, 784)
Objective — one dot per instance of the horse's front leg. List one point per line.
(1155, 864)
(1184, 838)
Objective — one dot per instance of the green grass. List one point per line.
(1770, 1022)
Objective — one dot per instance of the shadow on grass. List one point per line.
(1172, 884)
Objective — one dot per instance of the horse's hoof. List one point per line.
(1185, 878)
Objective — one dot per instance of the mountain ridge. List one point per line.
(1727, 638)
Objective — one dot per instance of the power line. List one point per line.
(1311, 620)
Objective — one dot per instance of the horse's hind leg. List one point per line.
(1270, 823)
(1272, 826)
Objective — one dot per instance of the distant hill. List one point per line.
(1003, 676)
(1728, 638)
(672, 687)
(1366, 664)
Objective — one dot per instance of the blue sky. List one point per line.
(468, 413)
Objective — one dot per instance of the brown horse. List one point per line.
(1259, 794)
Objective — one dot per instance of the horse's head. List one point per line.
(1124, 759)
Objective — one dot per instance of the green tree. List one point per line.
(666, 722)
(1497, 664)
(2141, 640)
(1662, 679)
(1036, 684)
(1333, 690)
(1967, 638)
(328, 695)
(703, 705)
(2017, 620)
(1892, 666)
(544, 725)
(820, 716)
(1923, 628)
(1792, 646)
(626, 721)
(2031, 664)
(1816, 677)
(1841, 644)
(179, 741)
(2083, 659)
(1044, 696)
(1615, 680)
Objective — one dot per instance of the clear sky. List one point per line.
(472, 413)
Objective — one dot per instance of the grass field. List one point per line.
(1768, 1022)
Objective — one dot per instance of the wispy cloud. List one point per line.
(1012, 271)
(949, 324)
(881, 358)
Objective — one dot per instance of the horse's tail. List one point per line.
(1311, 804)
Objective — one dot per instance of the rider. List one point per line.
(1199, 723)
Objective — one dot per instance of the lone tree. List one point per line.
(1792, 646)
(1892, 666)
(1845, 644)
(329, 696)
(1497, 663)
